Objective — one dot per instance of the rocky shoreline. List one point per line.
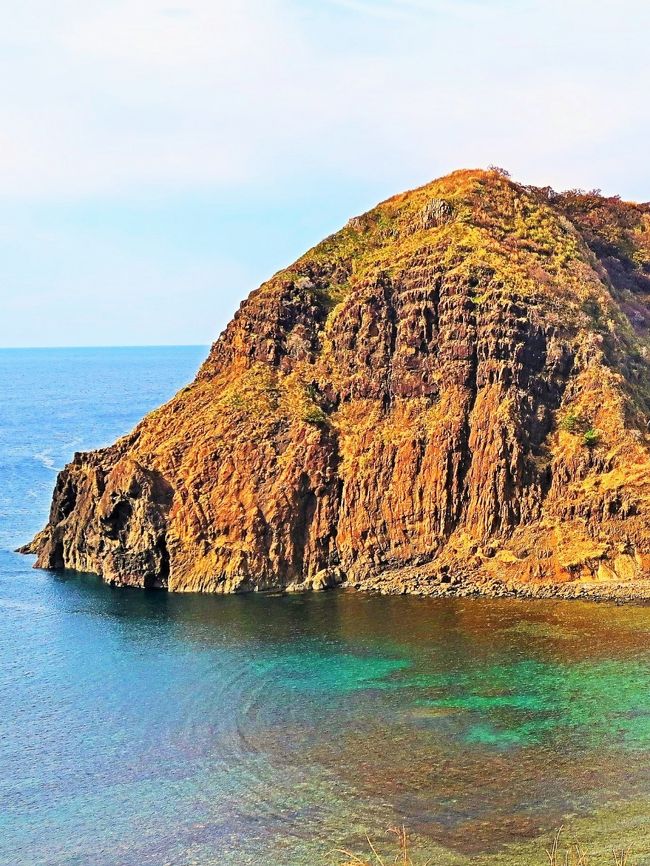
(637, 591)
(430, 581)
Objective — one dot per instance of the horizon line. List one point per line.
(108, 346)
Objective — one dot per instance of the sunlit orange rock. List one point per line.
(451, 394)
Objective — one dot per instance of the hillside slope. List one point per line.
(451, 394)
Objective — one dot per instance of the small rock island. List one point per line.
(449, 395)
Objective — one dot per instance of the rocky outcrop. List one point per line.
(452, 394)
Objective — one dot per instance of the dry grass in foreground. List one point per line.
(575, 855)
(403, 855)
(559, 854)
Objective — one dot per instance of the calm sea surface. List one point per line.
(143, 728)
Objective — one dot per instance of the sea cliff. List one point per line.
(449, 395)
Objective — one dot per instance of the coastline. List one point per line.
(633, 592)
(417, 581)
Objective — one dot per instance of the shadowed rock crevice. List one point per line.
(158, 579)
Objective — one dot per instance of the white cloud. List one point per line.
(121, 120)
(157, 95)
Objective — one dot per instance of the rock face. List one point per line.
(452, 394)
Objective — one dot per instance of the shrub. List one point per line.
(571, 422)
(591, 308)
(591, 438)
(314, 415)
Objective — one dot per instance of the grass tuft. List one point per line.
(572, 854)
(402, 858)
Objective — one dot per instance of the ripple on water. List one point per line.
(224, 734)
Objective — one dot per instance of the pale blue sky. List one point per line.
(160, 158)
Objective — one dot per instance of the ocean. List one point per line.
(146, 728)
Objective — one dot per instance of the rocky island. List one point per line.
(449, 395)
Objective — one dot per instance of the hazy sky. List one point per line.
(160, 158)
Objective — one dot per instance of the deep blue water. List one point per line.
(143, 728)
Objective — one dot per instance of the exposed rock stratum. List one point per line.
(451, 394)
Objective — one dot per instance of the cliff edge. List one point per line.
(451, 394)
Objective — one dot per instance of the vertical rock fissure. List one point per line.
(159, 579)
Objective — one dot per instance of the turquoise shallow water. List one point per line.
(143, 728)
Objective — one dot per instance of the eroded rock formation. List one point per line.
(452, 394)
